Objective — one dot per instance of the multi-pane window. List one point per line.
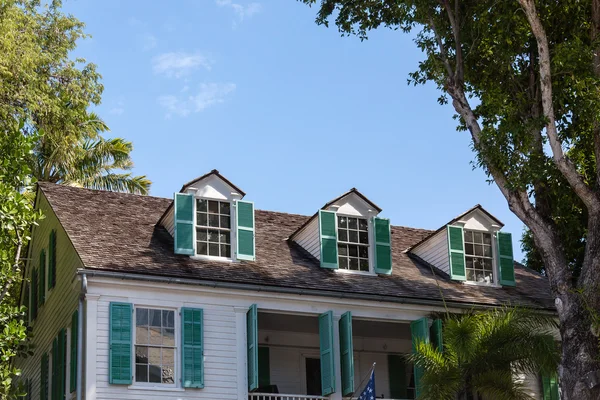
(154, 345)
(478, 257)
(353, 243)
(213, 228)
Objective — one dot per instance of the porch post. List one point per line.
(337, 395)
(91, 338)
(242, 362)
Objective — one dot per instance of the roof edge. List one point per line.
(213, 172)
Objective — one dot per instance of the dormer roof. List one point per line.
(205, 176)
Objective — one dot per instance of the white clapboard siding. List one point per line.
(308, 238)
(220, 354)
(60, 302)
(168, 222)
(435, 251)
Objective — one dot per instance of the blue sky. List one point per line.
(287, 110)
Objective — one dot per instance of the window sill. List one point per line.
(348, 271)
(491, 285)
(156, 388)
(212, 258)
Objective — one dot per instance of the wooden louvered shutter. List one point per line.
(456, 249)
(327, 353)
(192, 349)
(252, 345)
(62, 364)
(383, 246)
(245, 230)
(55, 369)
(52, 260)
(346, 354)
(44, 367)
(73, 355)
(419, 330)
(328, 238)
(505, 259)
(42, 278)
(34, 294)
(184, 224)
(436, 335)
(120, 321)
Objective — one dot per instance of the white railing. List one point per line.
(279, 396)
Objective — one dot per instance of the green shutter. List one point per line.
(327, 353)
(54, 369)
(52, 260)
(73, 355)
(419, 330)
(62, 363)
(252, 343)
(245, 230)
(27, 302)
(192, 334)
(120, 321)
(264, 367)
(436, 335)
(34, 294)
(505, 259)
(184, 224)
(44, 377)
(42, 278)
(550, 387)
(383, 246)
(328, 238)
(456, 253)
(397, 376)
(347, 354)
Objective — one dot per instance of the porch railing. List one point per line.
(279, 396)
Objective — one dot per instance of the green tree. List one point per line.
(523, 78)
(483, 351)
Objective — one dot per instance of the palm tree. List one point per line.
(482, 352)
(88, 160)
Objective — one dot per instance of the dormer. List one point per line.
(471, 248)
(209, 220)
(347, 235)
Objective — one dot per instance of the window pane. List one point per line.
(352, 223)
(201, 205)
(468, 236)
(364, 265)
(201, 235)
(168, 318)
(470, 275)
(225, 250)
(154, 355)
(362, 224)
(469, 262)
(487, 251)
(213, 249)
(477, 237)
(213, 220)
(225, 208)
(363, 252)
(363, 237)
(487, 264)
(353, 236)
(167, 374)
(225, 221)
(342, 250)
(141, 316)
(342, 222)
(155, 374)
(353, 264)
(202, 219)
(213, 206)
(478, 249)
(353, 251)
(487, 238)
(141, 354)
(213, 236)
(225, 237)
(343, 235)
(468, 248)
(343, 261)
(201, 248)
(155, 336)
(155, 318)
(168, 356)
(141, 334)
(141, 373)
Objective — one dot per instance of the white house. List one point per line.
(206, 297)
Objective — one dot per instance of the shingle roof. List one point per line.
(119, 232)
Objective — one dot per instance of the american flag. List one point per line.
(369, 392)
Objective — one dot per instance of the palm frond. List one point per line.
(119, 183)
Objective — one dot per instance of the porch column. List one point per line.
(91, 338)
(337, 361)
(242, 362)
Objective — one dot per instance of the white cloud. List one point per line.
(242, 11)
(118, 109)
(178, 64)
(207, 95)
(148, 41)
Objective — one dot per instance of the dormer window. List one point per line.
(353, 243)
(479, 261)
(213, 228)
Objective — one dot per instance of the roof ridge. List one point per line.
(61, 186)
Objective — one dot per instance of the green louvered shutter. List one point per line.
(347, 354)
(73, 355)
(327, 353)
(52, 259)
(245, 230)
(26, 302)
(42, 278)
(192, 334)
(505, 259)
(436, 335)
(383, 246)
(550, 387)
(264, 367)
(62, 363)
(456, 254)
(252, 343)
(44, 377)
(397, 376)
(54, 369)
(419, 330)
(120, 321)
(34, 294)
(328, 238)
(184, 224)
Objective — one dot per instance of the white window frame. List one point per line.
(176, 349)
(494, 258)
(370, 238)
(232, 229)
